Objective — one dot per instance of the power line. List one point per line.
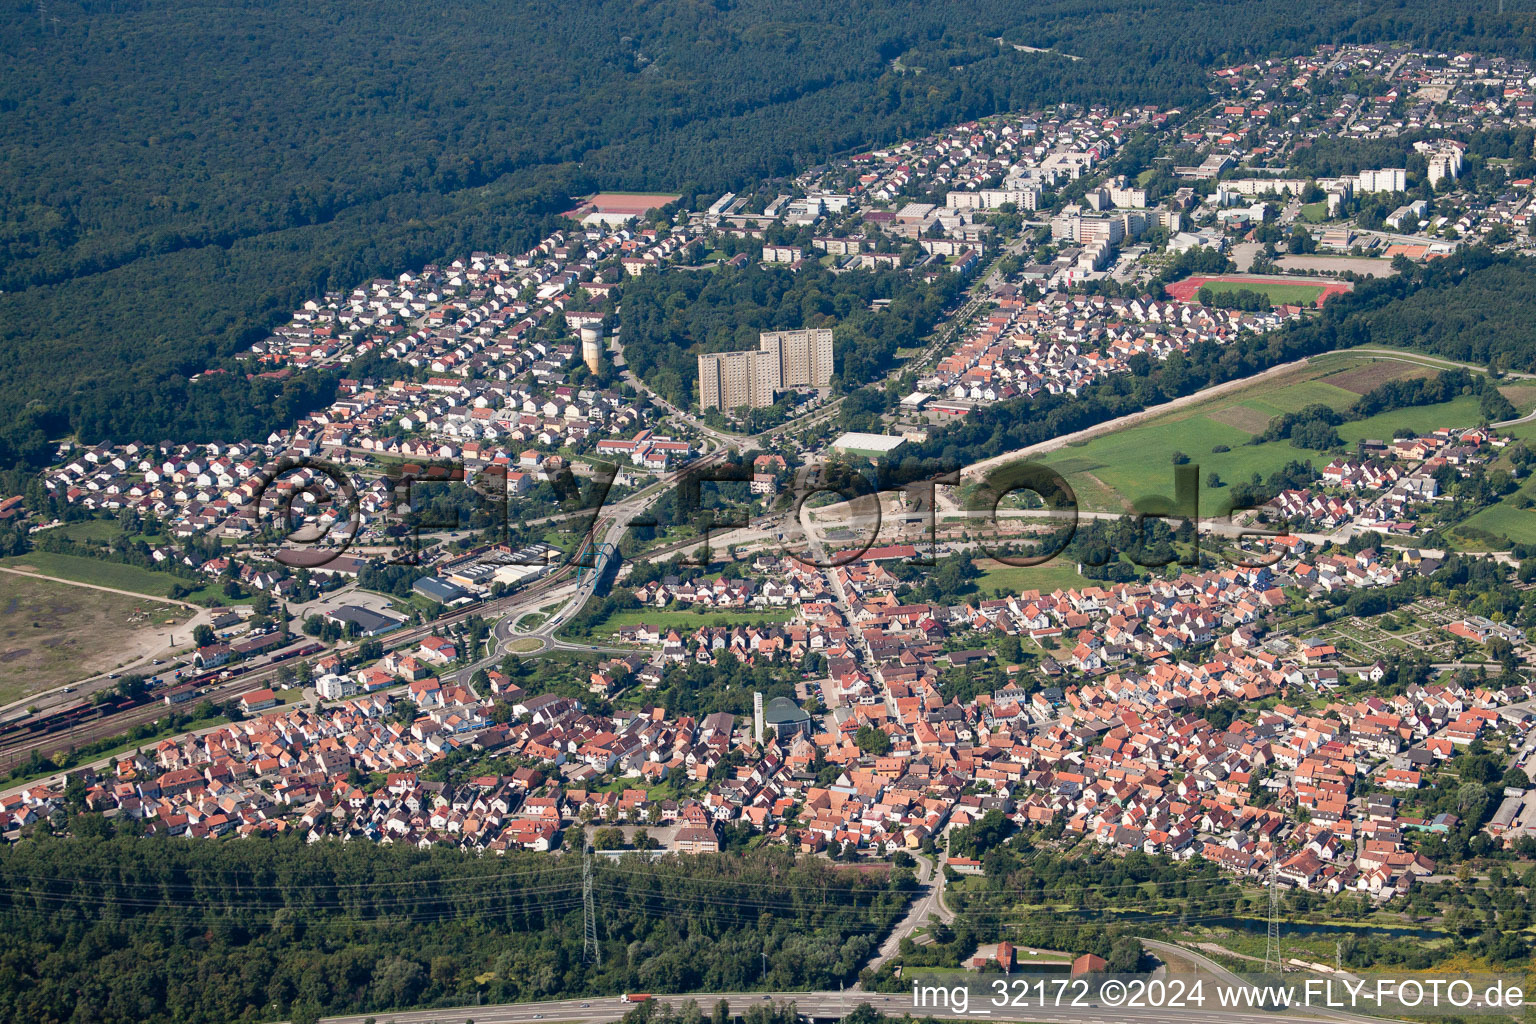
(1272, 936)
(228, 875)
(591, 951)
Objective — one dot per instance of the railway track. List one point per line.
(116, 719)
(83, 723)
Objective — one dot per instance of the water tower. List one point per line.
(592, 347)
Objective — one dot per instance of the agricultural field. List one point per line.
(1521, 394)
(54, 633)
(1513, 519)
(1113, 471)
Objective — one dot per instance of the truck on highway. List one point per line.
(635, 997)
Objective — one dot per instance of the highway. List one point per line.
(828, 1006)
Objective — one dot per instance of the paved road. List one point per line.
(1205, 965)
(930, 904)
(824, 1005)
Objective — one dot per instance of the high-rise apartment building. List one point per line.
(730, 380)
(1386, 179)
(803, 358)
(784, 359)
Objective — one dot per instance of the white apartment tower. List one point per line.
(1386, 179)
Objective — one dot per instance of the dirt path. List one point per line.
(1126, 505)
(111, 590)
(1424, 359)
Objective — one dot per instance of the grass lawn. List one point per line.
(1315, 213)
(53, 633)
(1278, 294)
(1113, 471)
(116, 575)
(89, 529)
(524, 645)
(998, 578)
(1506, 520)
(694, 620)
(1459, 412)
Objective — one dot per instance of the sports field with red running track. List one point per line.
(1185, 290)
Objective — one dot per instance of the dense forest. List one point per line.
(263, 152)
(122, 929)
(671, 317)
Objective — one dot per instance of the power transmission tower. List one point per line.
(1272, 939)
(591, 952)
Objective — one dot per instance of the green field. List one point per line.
(1277, 292)
(1460, 412)
(1315, 213)
(110, 574)
(1111, 472)
(999, 579)
(693, 620)
(99, 530)
(1501, 520)
(523, 645)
